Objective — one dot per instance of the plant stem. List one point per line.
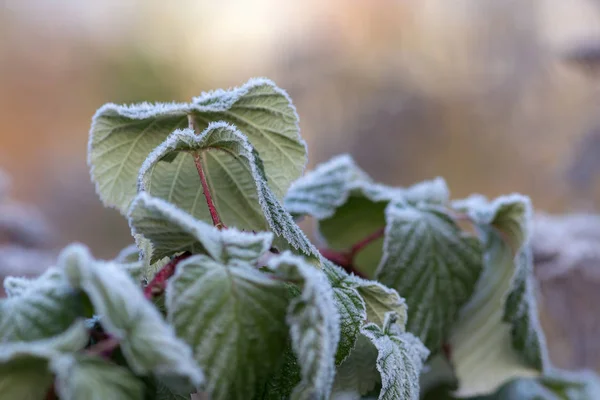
(104, 348)
(209, 201)
(345, 259)
(357, 247)
(158, 284)
(205, 189)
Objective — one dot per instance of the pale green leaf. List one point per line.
(235, 179)
(147, 342)
(233, 316)
(16, 285)
(400, 357)
(359, 301)
(79, 376)
(314, 325)
(358, 374)
(498, 337)
(433, 264)
(170, 230)
(350, 206)
(122, 137)
(24, 369)
(556, 385)
(350, 307)
(322, 191)
(39, 308)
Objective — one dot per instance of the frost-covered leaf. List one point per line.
(235, 178)
(380, 300)
(15, 285)
(171, 230)
(350, 307)
(497, 336)
(147, 342)
(400, 357)
(129, 254)
(80, 376)
(121, 137)
(320, 192)
(358, 374)
(350, 206)
(233, 316)
(38, 309)
(432, 263)
(557, 385)
(359, 301)
(314, 325)
(24, 369)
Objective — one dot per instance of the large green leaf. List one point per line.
(350, 205)
(24, 366)
(399, 360)
(498, 337)
(80, 376)
(314, 325)
(147, 342)
(555, 385)
(233, 316)
(170, 230)
(432, 263)
(38, 308)
(358, 374)
(235, 178)
(359, 301)
(350, 307)
(122, 137)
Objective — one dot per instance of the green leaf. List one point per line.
(498, 337)
(24, 369)
(350, 307)
(359, 301)
(350, 205)
(556, 385)
(16, 285)
(80, 376)
(433, 264)
(314, 325)
(170, 230)
(233, 316)
(322, 191)
(38, 308)
(235, 179)
(147, 342)
(358, 374)
(399, 360)
(121, 137)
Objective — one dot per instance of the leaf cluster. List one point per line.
(408, 295)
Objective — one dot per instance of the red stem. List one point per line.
(209, 201)
(104, 348)
(158, 284)
(357, 247)
(345, 259)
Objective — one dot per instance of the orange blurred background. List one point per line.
(477, 91)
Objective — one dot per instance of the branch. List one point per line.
(205, 189)
(345, 259)
(158, 284)
(209, 201)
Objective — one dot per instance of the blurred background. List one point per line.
(496, 96)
